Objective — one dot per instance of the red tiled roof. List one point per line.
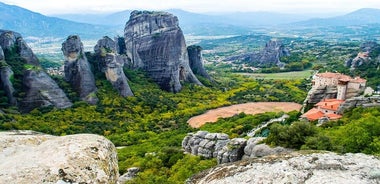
(313, 114)
(333, 116)
(329, 104)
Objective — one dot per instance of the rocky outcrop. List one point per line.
(366, 49)
(204, 143)
(218, 145)
(269, 56)
(296, 168)
(30, 157)
(77, 69)
(316, 94)
(360, 101)
(255, 149)
(196, 61)
(38, 88)
(232, 151)
(5, 79)
(155, 43)
(129, 175)
(112, 64)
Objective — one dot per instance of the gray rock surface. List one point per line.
(155, 43)
(204, 143)
(30, 157)
(77, 69)
(196, 61)
(129, 175)
(233, 151)
(39, 88)
(270, 55)
(5, 79)
(112, 65)
(296, 168)
(359, 102)
(316, 94)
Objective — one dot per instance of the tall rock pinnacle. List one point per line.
(155, 43)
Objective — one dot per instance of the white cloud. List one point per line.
(289, 6)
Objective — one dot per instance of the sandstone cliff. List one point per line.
(360, 101)
(155, 43)
(77, 69)
(296, 168)
(30, 157)
(366, 50)
(37, 88)
(111, 63)
(196, 61)
(6, 74)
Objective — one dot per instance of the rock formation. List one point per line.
(112, 65)
(30, 157)
(204, 143)
(218, 145)
(360, 101)
(270, 55)
(196, 61)
(38, 88)
(77, 69)
(366, 49)
(155, 43)
(129, 175)
(296, 168)
(5, 79)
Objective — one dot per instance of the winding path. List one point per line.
(212, 116)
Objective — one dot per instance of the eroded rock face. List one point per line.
(5, 79)
(30, 157)
(296, 168)
(232, 151)
(271, 54)
(112, 65)
(155, 43)
(360, 101)
(204, 143)
(77, 69)
(196, 61)
(38, 87)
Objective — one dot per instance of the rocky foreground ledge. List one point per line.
(31, 157)
(296, 168)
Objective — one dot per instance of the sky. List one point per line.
(51, 7)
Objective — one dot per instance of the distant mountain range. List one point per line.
(30, 23)
(363, 16)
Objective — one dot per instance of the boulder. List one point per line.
(156, 44)
(77, 69)
(204, 143)
(296, 168)
(38, 87)
(232, 151)
(196, 61)
(30, 157)
(112, 65)
(129, 175)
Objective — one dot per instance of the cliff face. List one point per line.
(155, 43)
(77, 69)
(366, 49)
(38, 88)
(112, 65)
(31, 157)
(5, 79)
(296, 168)
(196, 61)
(218, 145)
(271, 54)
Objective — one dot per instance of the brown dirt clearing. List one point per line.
(212, 116)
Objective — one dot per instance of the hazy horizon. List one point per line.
(317, 7)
